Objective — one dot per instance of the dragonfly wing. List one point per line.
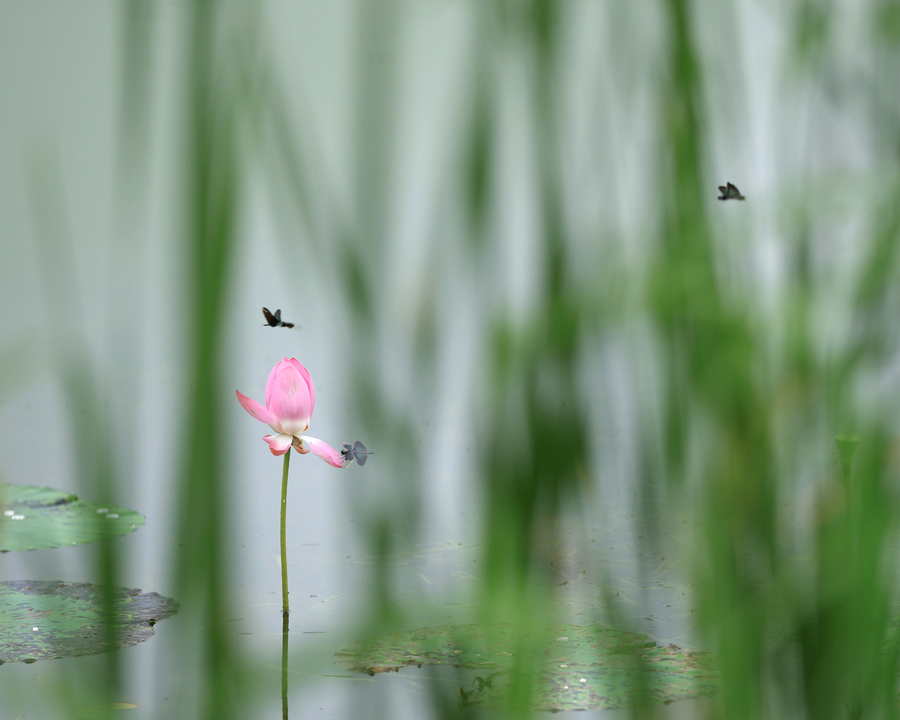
(360, 453)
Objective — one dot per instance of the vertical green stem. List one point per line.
(284, 581)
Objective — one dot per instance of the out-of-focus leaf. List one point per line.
(48, 620)
(36, 518)
(575, 667)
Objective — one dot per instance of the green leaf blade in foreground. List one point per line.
(574, 667)
(48, 620)
(33, 518)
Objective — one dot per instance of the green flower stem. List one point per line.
(284, 582)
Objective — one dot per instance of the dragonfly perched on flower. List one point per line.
(275, 320)
(730, 192)
(357, 451)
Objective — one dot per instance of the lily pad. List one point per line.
(48, 620)
(33, 518)
(572, 667)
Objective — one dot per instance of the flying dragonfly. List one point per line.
(730, 192)
(357, 452)
(275, 320)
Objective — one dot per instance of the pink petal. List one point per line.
(270, 383)
(324, 451)
(287, 398)
(309, 383)
(295, 363)
(279, 444)
(256, 409)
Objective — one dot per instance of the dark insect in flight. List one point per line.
(357, 452)
(730, 192)
(275, 320)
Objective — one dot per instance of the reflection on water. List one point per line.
(285, 691)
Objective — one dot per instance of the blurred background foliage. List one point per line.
(509, 207)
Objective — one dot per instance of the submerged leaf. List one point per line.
(573, 667)
(48, 620)
(33, 518)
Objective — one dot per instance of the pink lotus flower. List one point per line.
(290, 400)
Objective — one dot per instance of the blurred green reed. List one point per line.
(749, 402)
(213, 172)
(92, 435)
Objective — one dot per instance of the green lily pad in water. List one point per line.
(33, 518)
(51, 620)
(572, 667)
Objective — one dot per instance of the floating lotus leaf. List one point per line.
(51, 620)
(571, 667)
(33, 518)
